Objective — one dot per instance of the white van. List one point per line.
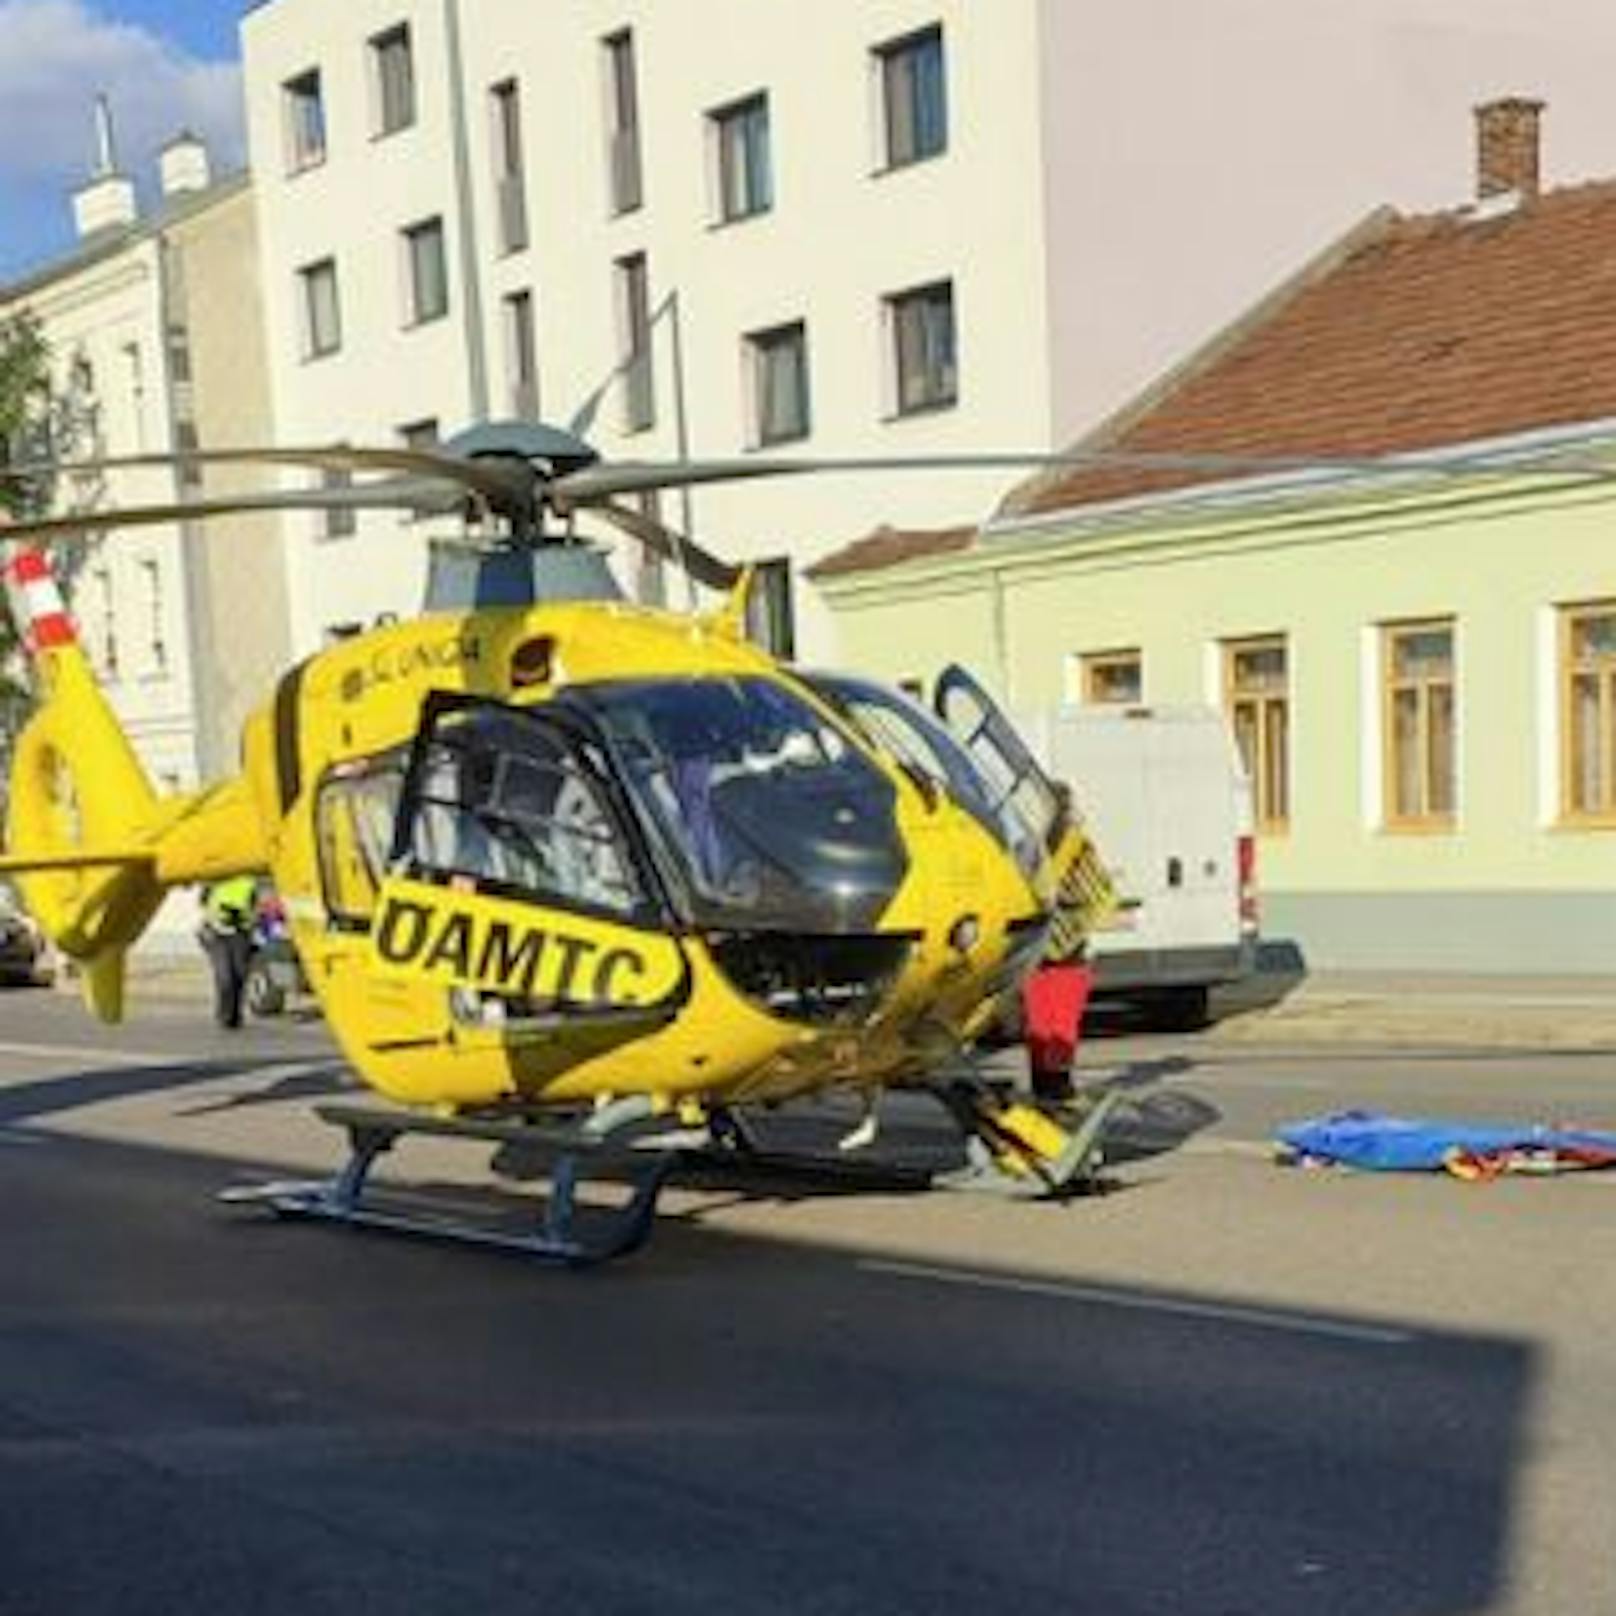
(1169, 805)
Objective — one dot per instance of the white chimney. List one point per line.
(107, 200)
(183, 165)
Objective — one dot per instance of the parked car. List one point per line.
(24, 954)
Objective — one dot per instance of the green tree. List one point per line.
(23, 377)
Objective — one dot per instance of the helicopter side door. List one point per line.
(1037, 809)
(517, 875)
(1048, 836)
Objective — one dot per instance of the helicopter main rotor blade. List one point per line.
(585, 487)
(670, 545)
(426, 496)
(494, 480)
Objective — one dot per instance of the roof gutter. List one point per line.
(1276, 510)
(1503, 456)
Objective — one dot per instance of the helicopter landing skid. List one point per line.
(557, 1237)
(1012, 1148)
(1025, 1152)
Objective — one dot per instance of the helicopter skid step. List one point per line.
(556, 1235)
(1012, 1149)
(1025, 1152)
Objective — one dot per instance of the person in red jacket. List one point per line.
(1053, 1000)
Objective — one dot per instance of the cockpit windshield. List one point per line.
(915, 739)
(775, 818)
(504, 800)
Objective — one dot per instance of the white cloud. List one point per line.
(56, 55)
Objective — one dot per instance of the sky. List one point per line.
(163, 66)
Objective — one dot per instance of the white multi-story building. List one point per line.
(155, 346)
(882, 227)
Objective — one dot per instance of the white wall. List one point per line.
(352, 207)
(1198, 154)
(107, 315)
(838, 238)
(1120, 181)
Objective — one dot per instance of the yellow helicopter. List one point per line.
(563, 869)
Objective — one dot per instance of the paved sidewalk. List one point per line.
(1425, 1009)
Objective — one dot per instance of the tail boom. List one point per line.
(92, 845)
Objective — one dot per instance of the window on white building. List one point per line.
(134, 363)
(627, 190)
(650, 573)
(742, 166)
(770, 616)
(338, 522)
(422, 434)
(778, 382)
(152, 583)
(187, 442)
(392, 80)
(106, 622)
(510, 175)
(914, 101)
(426, 273)
(303, 107)
(522, 355)
(634, 325)
(322, 308)
(925, 367)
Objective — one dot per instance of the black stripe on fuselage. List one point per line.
(289, 735)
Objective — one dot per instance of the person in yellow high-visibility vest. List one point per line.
(226, 935)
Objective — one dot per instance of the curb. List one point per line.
(1456, 1022)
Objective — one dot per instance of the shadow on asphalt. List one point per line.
(21, 1103)
(321, 1081)
(49, 1096)
(312, 1420)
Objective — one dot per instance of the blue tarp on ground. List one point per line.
(1369, 1140)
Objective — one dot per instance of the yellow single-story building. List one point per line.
(1399, 583)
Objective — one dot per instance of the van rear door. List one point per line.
(1163, 793)
(1194, 835)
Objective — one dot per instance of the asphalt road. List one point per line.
(1222, 1388)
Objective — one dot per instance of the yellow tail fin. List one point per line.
(82, 816)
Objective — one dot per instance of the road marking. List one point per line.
(1257, 1318)
(99, 1054)
(1239, 1080)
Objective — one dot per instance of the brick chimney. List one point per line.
(1507, 148)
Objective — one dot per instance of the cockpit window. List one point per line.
(1027, 794)
(774, 817)
(909, 734)
(355, 815)
(502, 800)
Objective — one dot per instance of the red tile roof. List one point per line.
(887, 546)
(1431, 331)
(1414, 333)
